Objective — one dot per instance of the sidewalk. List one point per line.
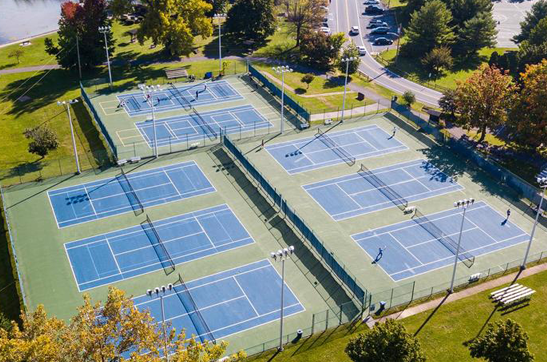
(465, 293)
(35, 68)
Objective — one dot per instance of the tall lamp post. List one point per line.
(282, 70)
(346, 60)
(160, 292)
(105, 30)
(66, 104)
(464, 204)
(542, 181)
(219, 17)
(148, 93)
(280, 256)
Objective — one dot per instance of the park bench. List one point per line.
(525, 294)
(502, 290)
(122, 162)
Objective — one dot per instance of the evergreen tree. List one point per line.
(533, 17)
(429, 28)
(477, 33)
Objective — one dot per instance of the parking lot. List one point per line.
(509, 14)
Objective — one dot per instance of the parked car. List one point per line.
(325, 25)
(362, 50)
(354, 30)
(376, 21)
(382, 41)
(380, 31)
(377, 25)
(325, 30)
(371, 9)
(371, 2)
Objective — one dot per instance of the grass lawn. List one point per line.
(441, 333)
(34, 54)
(412, 69)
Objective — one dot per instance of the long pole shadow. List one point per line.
(431, 314)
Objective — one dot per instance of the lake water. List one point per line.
(24, 18)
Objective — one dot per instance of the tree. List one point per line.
(308, 78)
(5, 323)
(82, 21)
(447, 103)
(251, 19)
(529, 117)
(429, 28)
(42, 139)
(409, 98)
(218, 7)
(386, 342)
(438, 59)
(319, 50)
(412, 6)
(349, 52)
(483, 99)
(110, 332)
(175, 23)
(477, 33)
(533, 17)
(120, 7)
(502, 342)
(304, 15)
(538, 35)
(16, 53)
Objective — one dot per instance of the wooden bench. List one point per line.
(193, 145)
(135, 159)
(121, 162)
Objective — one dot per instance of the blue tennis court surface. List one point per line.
(108, 258)
(354, 195)
(230, 302)
(190, 127)
(169, 99)
(310, 153)
(103, 198)
(411, 250)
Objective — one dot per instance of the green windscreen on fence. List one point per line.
(336, 267)
(301, 111)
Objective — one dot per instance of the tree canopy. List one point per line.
(350, 51)
(504, 341)
(321, 51)
(82, 21)
(386, 342)
(533, 17)
(175, 24)
(251, 19)
(304, 15)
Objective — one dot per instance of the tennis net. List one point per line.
(136, 204)
(159, 248)
(391, 194)
(204, 125)
(180, 98)
(335, 147)
(203, 330)
(467, 258)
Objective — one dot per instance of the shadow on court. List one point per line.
(321, 279)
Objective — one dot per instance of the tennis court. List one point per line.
(229, 302)
(194, 126)
(356, 194)
(411, 249)
(315, 152)
(173, 97)
(108, 197)
(119, 255)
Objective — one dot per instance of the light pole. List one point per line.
(219, 17)
(282, 70)
(464, 204)
(67, 104)
(542, 181)
(282, 255)
(346, 60)
(160, 292)
(105, 30)
(78, 53)
(148, 93)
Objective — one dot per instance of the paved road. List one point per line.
(346, 13)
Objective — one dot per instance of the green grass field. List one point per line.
(441, 332)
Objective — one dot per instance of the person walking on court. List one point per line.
(380, 254)
(508, 214)
(197, 95)
(394, 131)
(122, 104)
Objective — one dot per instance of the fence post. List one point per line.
(341, 313)
(60, 167)
(327, 321)
(391, 297)
(413, 287)
(540, 256)
(312, 323)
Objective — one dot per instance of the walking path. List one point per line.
(466, 293)
(35, 68)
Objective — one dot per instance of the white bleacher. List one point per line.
(511, 294)
(500, 291)
(518, 297)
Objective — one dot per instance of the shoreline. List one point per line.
(28, 38)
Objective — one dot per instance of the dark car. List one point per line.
(380, 31)
(373, 10)
(377, 25)
(382, 41)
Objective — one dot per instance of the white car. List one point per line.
(362, 50)
(371, 2)
(325, 30)
(354, 30)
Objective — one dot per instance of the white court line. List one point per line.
(246, 296)
(90, 201)
(113, 256)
